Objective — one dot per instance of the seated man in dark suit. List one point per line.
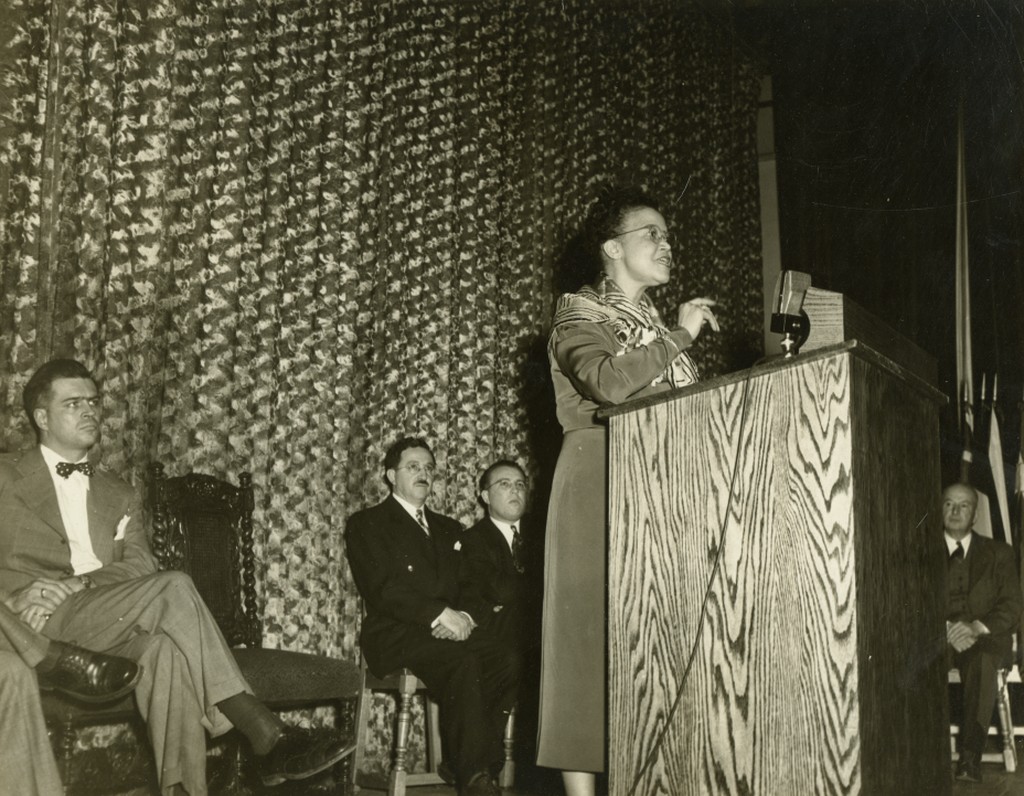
(493, 582)
(405, 560)
(76, 565)
(983, 609)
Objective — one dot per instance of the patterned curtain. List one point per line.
(285, 232)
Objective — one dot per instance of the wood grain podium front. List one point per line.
(776, 584)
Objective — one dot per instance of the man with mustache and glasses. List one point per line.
(76, 565)
(405, 559)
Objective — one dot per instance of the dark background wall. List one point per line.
(866, 97)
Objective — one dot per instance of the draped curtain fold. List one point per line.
(283, 233)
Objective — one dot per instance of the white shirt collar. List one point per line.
(52, 459)
(505, 528)
(965, 543)
(409, 507)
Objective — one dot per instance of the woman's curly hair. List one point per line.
(605, 216)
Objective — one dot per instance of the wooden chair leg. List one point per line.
(433, 720)
(508, 771)
(66, 744)
(362, 718)
(398, 776)
(1005, 721)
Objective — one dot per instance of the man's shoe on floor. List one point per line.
(301, 753)
(480, 785)
(88, 676)
(968, 769)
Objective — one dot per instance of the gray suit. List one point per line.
(155, 618)
(26, 758)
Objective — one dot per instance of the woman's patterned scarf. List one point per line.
(634, 325)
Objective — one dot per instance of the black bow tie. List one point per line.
(65, 469)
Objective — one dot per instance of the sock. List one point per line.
(50, 657)
(252, 718)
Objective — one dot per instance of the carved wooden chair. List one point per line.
(203, 526)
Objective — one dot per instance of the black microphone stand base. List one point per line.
(794, 329)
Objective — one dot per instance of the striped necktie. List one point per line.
(421, 518)
(517, 549)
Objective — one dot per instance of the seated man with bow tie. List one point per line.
(982, 611)
(76, 566)
(405, 559)
(493, 582)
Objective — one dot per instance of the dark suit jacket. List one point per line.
(994, 595)
(33, 541)
(406, 578)
(489, 579)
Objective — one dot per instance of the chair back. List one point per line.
(203, 526)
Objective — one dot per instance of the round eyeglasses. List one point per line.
(508, 484)
(416, 468)
(654, 232)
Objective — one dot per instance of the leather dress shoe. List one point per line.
(301, 753)
(89, 676)
(968, 768)
(480, 784)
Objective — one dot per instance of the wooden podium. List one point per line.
(776, 584)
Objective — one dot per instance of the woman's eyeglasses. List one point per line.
(654, 232)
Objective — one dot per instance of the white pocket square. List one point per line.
(122, 526)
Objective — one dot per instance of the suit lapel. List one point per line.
(499, 543)
(103, 505)
(977, 558)
(408, 527)
(36, 490)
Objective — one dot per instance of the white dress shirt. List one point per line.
(965, 543)
(506, 530)
(72, 496)
(412, 510)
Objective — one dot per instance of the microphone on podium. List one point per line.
(788, 317)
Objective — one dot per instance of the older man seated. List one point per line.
(982, 612)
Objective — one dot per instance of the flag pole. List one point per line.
(1018, 485)
(967, 426)
(964, 363)
(1018, 488)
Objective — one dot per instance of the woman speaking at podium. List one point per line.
(608, 344)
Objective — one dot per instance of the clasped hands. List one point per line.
(694, 314)
(36, 602)
(453, 625)
(962, 635)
